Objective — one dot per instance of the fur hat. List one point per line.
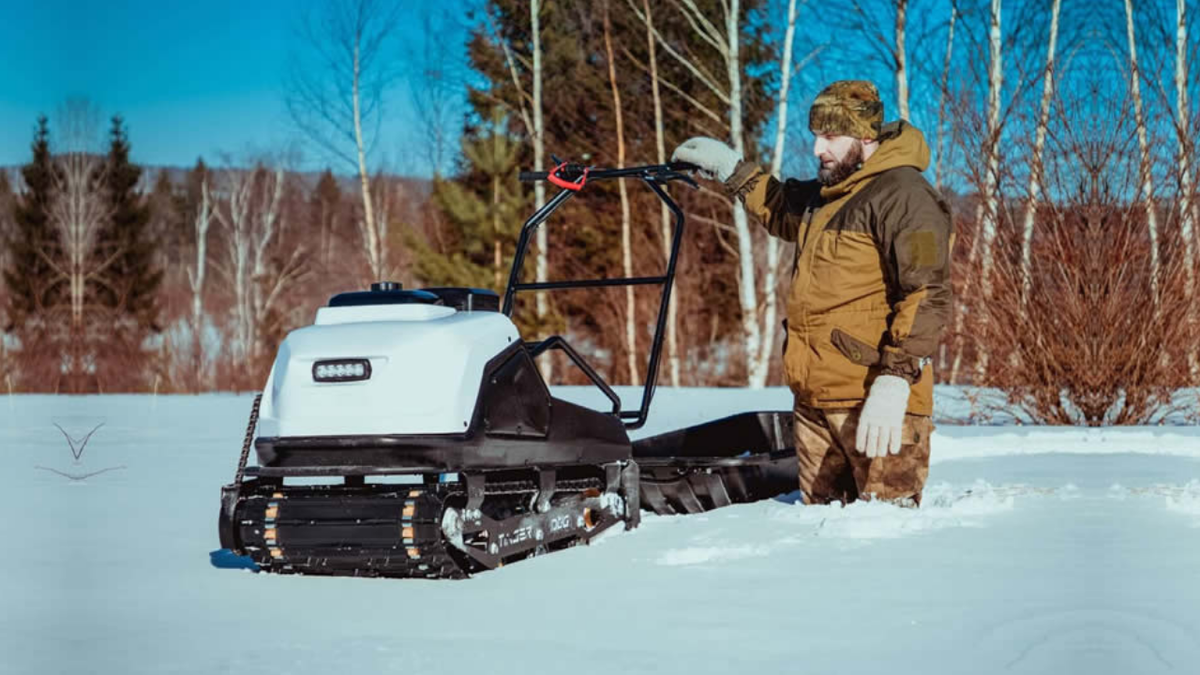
(847, 108)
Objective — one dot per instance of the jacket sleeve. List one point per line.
(780, 207)
(916, 236)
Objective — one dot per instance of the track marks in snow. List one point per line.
(1176, 498)
(696, 555)
(1090, 639)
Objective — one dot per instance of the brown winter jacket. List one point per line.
(870, 288)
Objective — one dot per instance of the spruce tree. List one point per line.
(34, 288)
(485, 213)
(132, 278)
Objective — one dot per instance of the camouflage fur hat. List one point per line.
(847, 108)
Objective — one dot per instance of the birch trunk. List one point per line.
(253, 225)
(626, 253)
(992, 149)
(78, 212)
(237, 186)
(901, 59)
(372, 235)
(1037, 167)
(1144, 164)
(988, 210)
(937, 170)
(664, 213)
(539, 189)
(265, 228)
(756, 375)
(196, 277)
(991, 181)
(770, 307)
(1186, 207)
(725, 41)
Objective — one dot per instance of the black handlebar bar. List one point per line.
(660, 173)
(572, 178)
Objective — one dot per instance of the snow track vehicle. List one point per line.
(409, 433)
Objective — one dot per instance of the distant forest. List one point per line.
(1062, 134)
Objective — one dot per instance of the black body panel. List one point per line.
(467, 299)
(734, 460)
(461, 299)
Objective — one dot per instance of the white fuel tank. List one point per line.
(424, 365)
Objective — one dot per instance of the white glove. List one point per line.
(881, 421)
(715, 159)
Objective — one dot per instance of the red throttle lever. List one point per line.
(575, 186)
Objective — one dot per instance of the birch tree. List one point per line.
(539, 187)
(901, 59)
(722, 35)
(1186, 207)
(195, 274)
(1037, 166)
(943, 93)
(989, 207)
(880, 47)
(664, 212)
(530, 109)
(336, 94)
(770, 308)
(991, 197)
(79, 210)
(252, 223)
(626, 252)
(1144, 164)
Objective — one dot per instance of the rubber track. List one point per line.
(349, 531)
(370, 530)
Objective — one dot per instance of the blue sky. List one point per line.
(191, 79)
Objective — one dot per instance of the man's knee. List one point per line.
(901, 478)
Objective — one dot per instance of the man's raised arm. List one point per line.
(780, 207)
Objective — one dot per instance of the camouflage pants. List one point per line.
(832, 469)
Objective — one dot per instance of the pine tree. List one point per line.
(485, 223)
(34, 288)
(132, 279)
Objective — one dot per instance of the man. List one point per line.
(870, 293)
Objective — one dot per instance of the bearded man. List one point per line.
(870, 293)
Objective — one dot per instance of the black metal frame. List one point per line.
(653, 176)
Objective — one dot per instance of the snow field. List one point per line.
(1036, 551)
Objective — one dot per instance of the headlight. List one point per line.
(342, 370)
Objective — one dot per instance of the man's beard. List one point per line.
(840, 171)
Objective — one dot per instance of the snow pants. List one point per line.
(832, 469)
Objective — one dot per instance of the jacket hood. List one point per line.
(900, 144)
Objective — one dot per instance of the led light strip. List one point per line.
(342, 370)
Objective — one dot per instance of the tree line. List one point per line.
(1061, 132)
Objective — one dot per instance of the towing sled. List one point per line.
(409, 433)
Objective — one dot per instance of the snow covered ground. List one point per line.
(1037, 551)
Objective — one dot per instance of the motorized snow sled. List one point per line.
(409, 433)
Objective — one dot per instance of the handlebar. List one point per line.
(660, 173)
